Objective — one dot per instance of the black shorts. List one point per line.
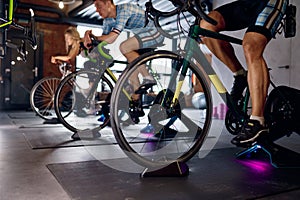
(261, 16)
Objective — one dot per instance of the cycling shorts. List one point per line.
(261, 16)
(148, 36)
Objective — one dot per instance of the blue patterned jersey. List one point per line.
(129, 16)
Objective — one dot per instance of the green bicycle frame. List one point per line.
(192, 50)
(106, 70)
(10, 15)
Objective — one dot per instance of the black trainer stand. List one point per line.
(53, 120)
(175, 169)
(280, 157)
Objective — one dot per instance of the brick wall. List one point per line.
(53, 44)
(53, 38)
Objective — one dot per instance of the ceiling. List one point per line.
(83, 12)
(90, 10)
(89, 13)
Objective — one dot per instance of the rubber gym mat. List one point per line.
(36, 126)
(218, 175)
(33, 122)
(21, 115)
(60, 137)
(41, 137)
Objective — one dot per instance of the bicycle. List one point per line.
(178, 131)
(88, 106)
(29, 31)
(43, 92)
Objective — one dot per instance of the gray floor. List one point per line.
(23, 170)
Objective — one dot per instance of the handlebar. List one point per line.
(101, 50)
(155, 14)
(28, 31)
(30, 34)
(31, 31)
(202, 14)
(100, 47)
(181, 6)
(188, 5)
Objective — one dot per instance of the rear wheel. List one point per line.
(42, 97)
(88, 105)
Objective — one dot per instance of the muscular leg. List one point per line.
(221, 49)
(258, 75)
(258, 80)
(128, 48)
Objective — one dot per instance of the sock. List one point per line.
(260, 119)
(240, 72)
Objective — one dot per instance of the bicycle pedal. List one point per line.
(141, 91)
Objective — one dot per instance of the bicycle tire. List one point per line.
(42, 97)
(84, 115)
(157, 149)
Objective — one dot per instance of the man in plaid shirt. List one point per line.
(117, 18)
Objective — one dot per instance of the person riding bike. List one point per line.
(72, 43)
(128, 16)
(261, 18)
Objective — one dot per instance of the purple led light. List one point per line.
(257, 165)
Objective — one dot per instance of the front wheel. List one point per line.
(156, 129)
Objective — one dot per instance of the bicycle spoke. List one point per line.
(76, 96)
(42, 97)
(157, 129)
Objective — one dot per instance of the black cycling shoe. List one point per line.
(251, 130)
(239, 85)
(146, 84)
(135, 111)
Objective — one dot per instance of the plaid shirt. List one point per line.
(129, 16)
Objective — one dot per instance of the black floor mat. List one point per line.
(21, 115)
(218, 175)
(42, 138)
(58, 137)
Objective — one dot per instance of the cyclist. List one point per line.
(116, 18)
(261, 18)
(72, 42)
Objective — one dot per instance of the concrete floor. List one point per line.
(23, 170)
